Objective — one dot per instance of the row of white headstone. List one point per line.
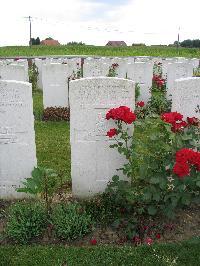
(55, 76)
(54, 73)
(93, 163)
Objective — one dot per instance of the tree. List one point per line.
(75, 43)
(37, 41)
(32, 41)
(191, 43)
(196, 43)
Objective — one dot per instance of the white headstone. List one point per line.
(95, 68)
(186, 97)
(13, 71)
(177, 71)
(39, 63)
(93, 162)
(55, 85)
(17, 137)
(141, 73)
(122, 66)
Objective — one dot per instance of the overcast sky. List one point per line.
(98, 21)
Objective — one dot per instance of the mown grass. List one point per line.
(52, 141)
(37, 104)
(53, 146)
(162, 51)
(165, 254)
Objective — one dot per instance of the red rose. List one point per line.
(177, 127)
(172, 117)
(193, 121)
(148, 241)
(183, 155)
(122, 113)
(158, 236)
(93, 241)
(140, 104)
(184, 158)
(181, 169)
(136, 240)
(159, 81)
(129, 118)
(112, 132)
(194, 159)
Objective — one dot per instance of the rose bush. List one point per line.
(163, 164)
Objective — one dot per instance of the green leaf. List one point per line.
(147, 195)
(152, 210)
(154, 180)
(198, 183)
(156, 196)
(187, 137)
(113, 146)
(115, 178)
(154, 137)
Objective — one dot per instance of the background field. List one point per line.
(161, 51)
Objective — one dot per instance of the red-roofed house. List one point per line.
(116, 43)
(50, 42)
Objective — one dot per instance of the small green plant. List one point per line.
(76, 75)
(43, 183)
(33, 76)
(137, 91)
(157, 68)
(158, 102)
(112, 70)
(26, 221)
(101, 208)
(70, 221)
(196, 72)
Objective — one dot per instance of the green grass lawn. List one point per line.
(185, 254)
(37, 104)
(52, 141)
(98, 50)
(53, 146)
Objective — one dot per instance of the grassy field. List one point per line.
(159, 255)
(17, 51)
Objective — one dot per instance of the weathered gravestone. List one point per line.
(186, 97)
(177, 71)
(122, 66)
(93, 162)
(39, 62)
(141, 73)
(95, 68)
(17, 137)
(14, 71)
(55, 85)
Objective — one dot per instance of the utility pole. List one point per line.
(30, 42)
(178, 40)
(30, 30)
